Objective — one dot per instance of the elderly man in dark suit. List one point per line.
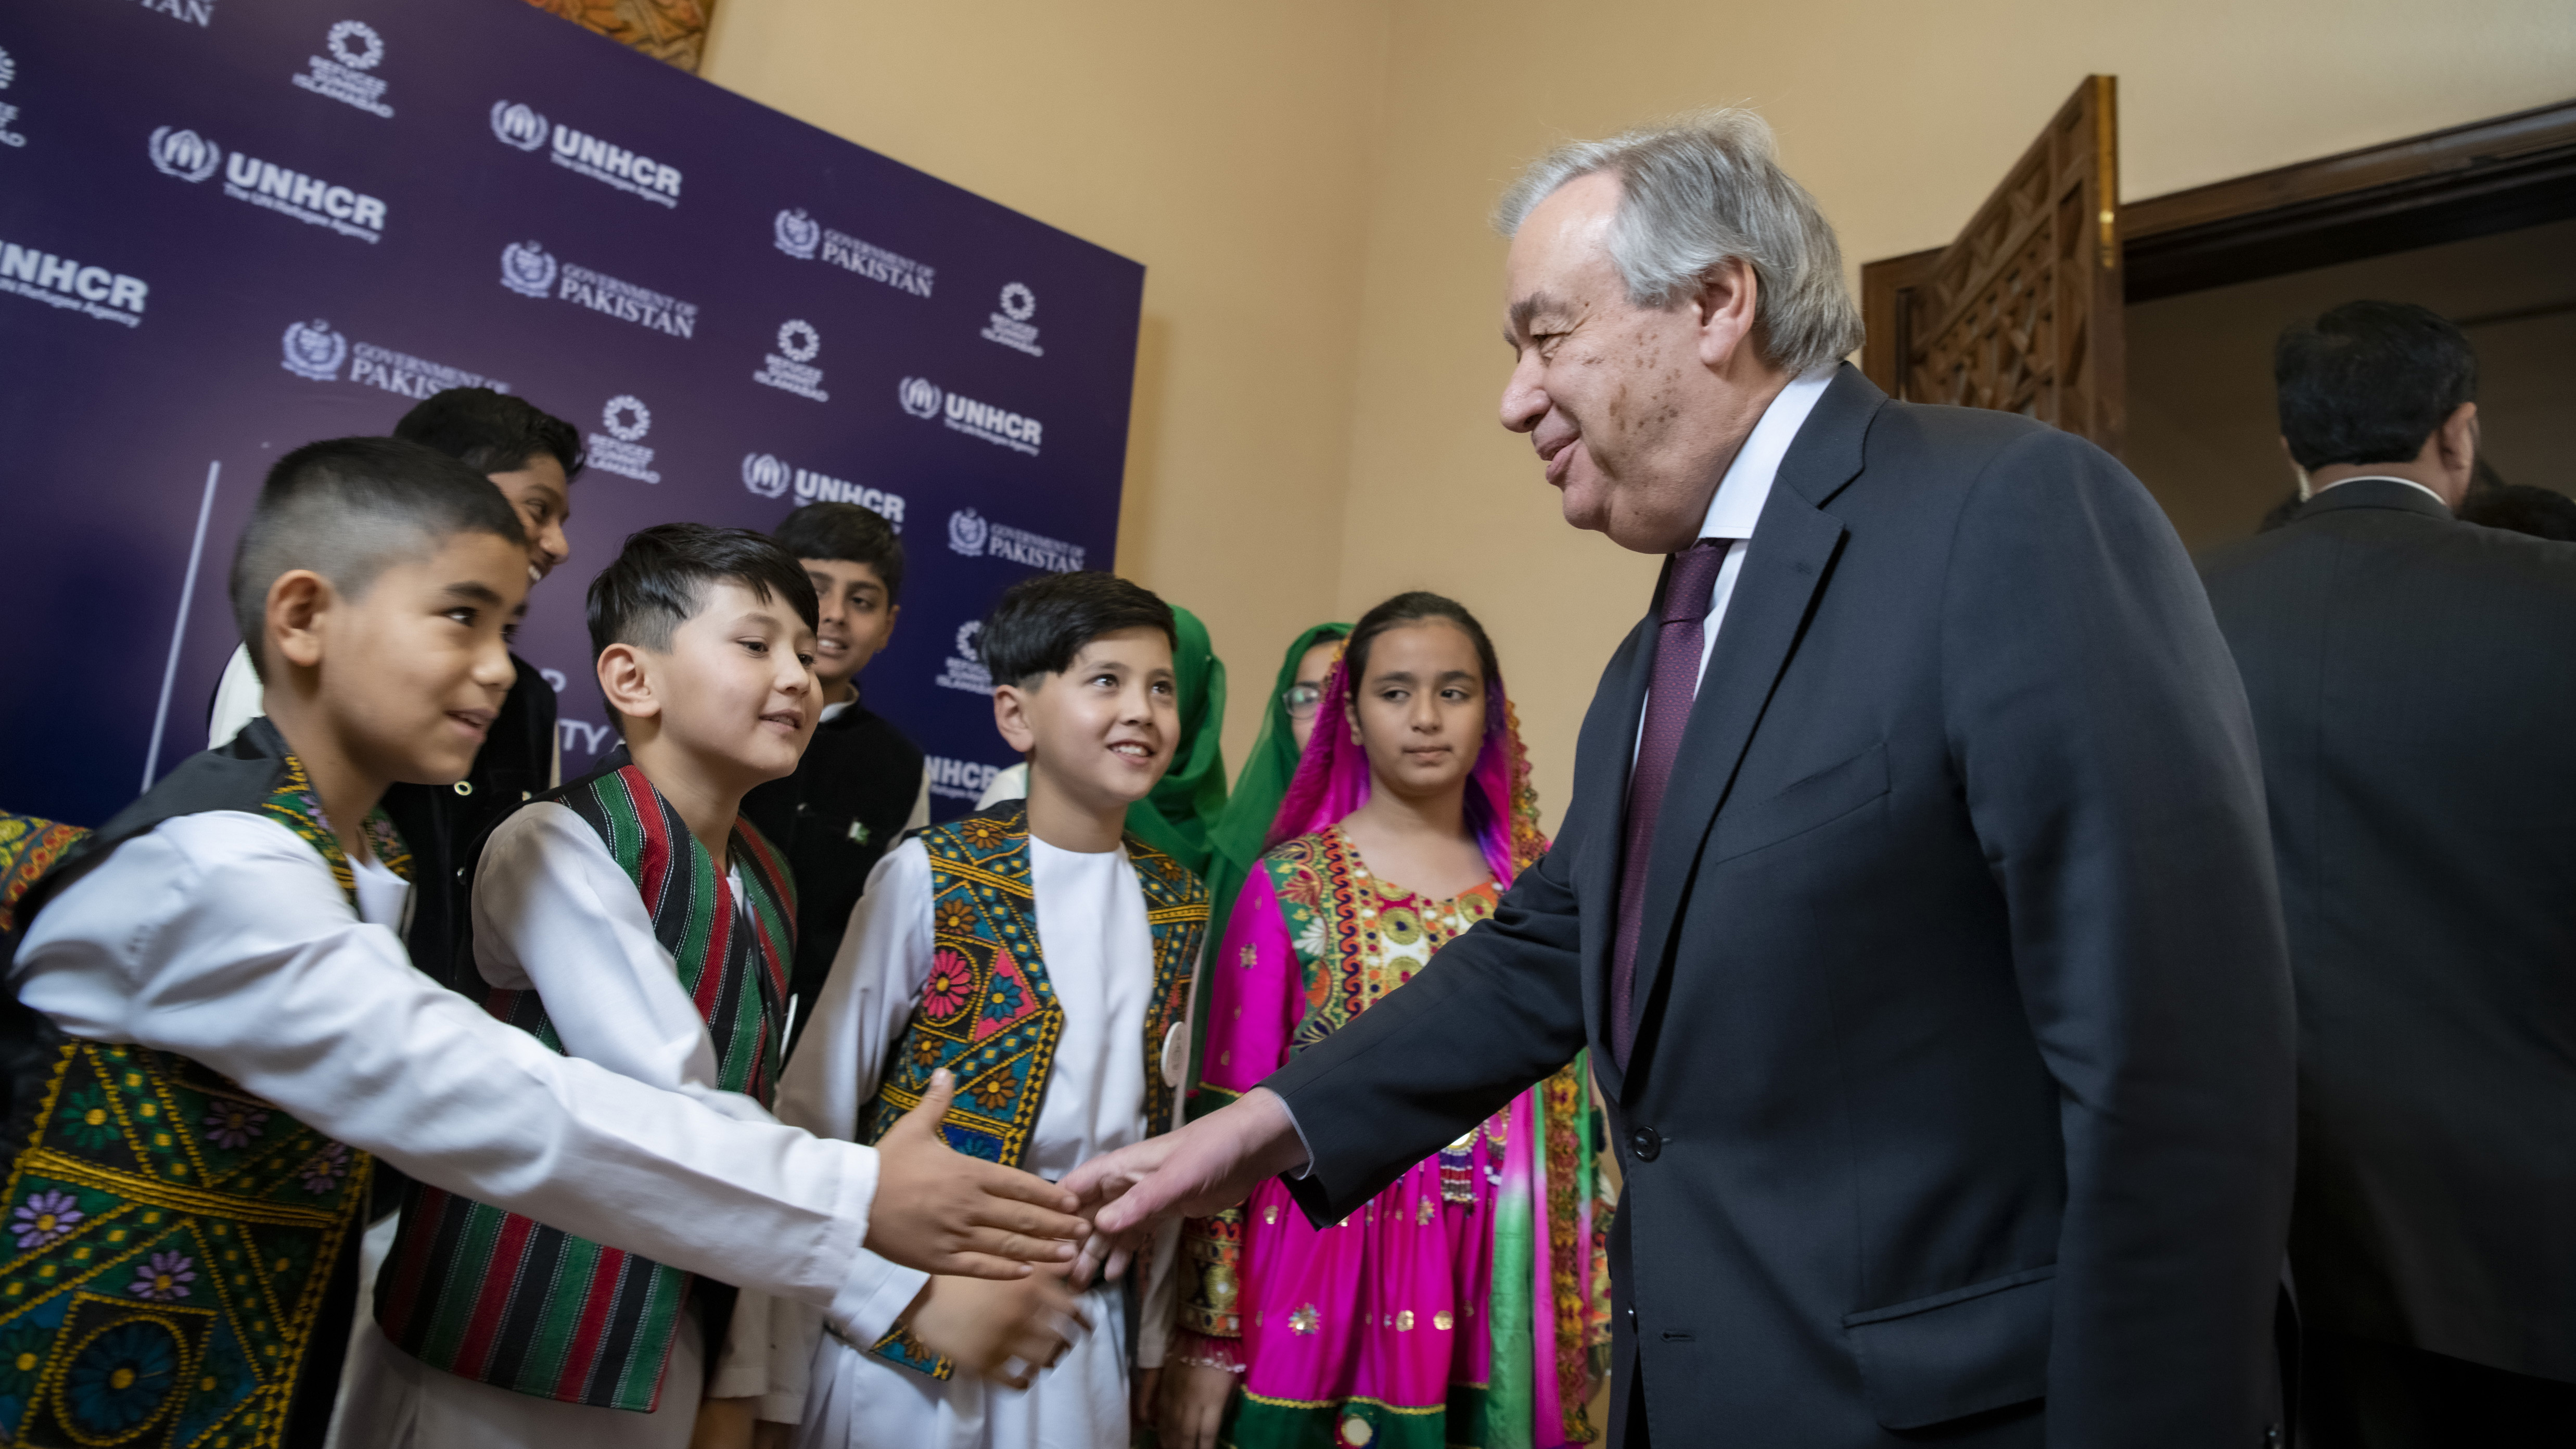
(1914, 894)
(2412, 688)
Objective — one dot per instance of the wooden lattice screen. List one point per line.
(2022, 312)
(667, 30)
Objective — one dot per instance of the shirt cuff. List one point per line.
(1307, 1171)
(877, 1293)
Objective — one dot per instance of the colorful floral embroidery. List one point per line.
(950, 987)
(164, 1277)
(234, 1124)
(1004, 1000)
(1305, 1320)
(327, 1167)
(22, 1352)
(121, 1380)
(43, 1217)
(86, 1119)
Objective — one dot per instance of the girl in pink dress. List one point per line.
(1468, 1303)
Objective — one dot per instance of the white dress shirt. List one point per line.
(222, 937)
(2387, 478)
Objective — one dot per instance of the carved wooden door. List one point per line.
(2021, 312)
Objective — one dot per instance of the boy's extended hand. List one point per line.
(1203, 1168)
(943, 1212)
(1005, 1332)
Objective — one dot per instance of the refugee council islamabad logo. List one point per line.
(313, 350)
(515, 123)
(355, 44)
(791, 368)
(351, 49)
(185, 154)
(1010, 326)
(622, 450)
(626, 418)
(966, 532)
(527, 270)
(797, 234)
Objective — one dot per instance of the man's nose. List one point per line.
(1524, 401)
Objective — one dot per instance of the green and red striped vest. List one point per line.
(501, 1299)
(988, 1015)
(172, 1240)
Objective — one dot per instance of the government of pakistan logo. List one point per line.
(517, 125)
(966, 532)
(626, 418)
(355, 44)
(313, 350)
(919, 396)
(797, 234)
(765, 475)
(185, 154)
(527, 270)
(798, 341)
(1018, 302)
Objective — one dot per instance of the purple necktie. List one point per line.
(1683, 616)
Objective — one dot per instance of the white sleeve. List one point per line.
(920, 815)
(1010, 784)
(553, 911)
(223, 938)
(866, 1003)
(239, 699)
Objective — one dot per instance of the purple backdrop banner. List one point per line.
(228, 227)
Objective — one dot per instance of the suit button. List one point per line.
(1645, 1143)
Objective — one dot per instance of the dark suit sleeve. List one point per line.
(1496, 1010)
(2101, 735)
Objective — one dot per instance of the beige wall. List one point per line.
(1308, 186)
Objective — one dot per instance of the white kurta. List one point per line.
(223, 937)
(555, 914)
(1098, 955)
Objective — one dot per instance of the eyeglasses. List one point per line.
(1300, 700)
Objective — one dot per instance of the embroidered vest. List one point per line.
(988, 1015)
(502, 1299)
(166, 1277)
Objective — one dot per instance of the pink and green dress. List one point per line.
(1467, 1304)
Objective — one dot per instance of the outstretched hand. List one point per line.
(1205, 1167)
(943, 1212)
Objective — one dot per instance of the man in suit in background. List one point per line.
(2411, 685)
(1914, 894)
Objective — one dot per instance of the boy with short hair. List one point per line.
(1045, 957)
(861, 783)
(208, 992)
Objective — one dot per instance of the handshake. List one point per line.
(1010, 1251)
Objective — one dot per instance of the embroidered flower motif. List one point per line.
(326, 1169)
(950, 987)
(1442, 1321)
(982, 832)
(1310, 937)
(1007, 995)
(1404, 1320)
(1251, 957)
(164, 1278)
(954, 918)
(234, 1124)
(22, 1352)
(120, 1381)
(1305, 1320)
(925, 1053)
(44, 1217)
(86, 1120)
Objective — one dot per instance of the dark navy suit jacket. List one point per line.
(1961, 1102)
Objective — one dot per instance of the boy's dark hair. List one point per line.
(1413, 607)
(491, 432)
(2369, 381)
(659, 580)
(847, 532)
(1040, 623)
(347, 509)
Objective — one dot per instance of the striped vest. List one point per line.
(988, 1015)
(171, 1239)
(501, 1299)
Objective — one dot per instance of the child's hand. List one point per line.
(723, 1424)
(944, 1212)
(1193, 1404)
(1001, 1331)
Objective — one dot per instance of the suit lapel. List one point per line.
(1602, 757)
(1793, 545)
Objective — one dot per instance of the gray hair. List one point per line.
(1694, 192)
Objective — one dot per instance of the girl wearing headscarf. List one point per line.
(1459, 1306)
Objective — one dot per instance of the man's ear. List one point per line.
(1011, 717)
(626, 678)
(1728, 304)
(2456, 440)
(297, 605)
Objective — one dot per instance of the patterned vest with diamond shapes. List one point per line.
(988, 1015)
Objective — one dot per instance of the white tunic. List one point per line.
(1098, 954)
(555, 913)
(223, 937)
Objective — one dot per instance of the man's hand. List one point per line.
(1005, 1332)
(943, 1212)
(1205, 1167)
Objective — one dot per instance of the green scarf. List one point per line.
(1180, 817)
(1241, 832)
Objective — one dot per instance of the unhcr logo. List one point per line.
(185, 154)
(924, 399)
(765, 475)
(919, 396)
(267, 185)
(516, 125)
(522, 128)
